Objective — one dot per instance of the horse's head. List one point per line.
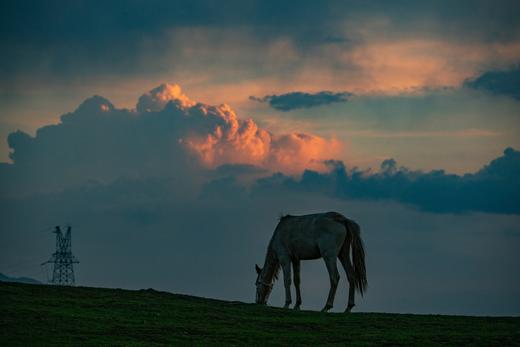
(263, 289)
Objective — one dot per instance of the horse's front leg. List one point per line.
(330, 262)
(286, 268)
(296, 268)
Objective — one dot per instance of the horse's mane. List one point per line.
(271, 257)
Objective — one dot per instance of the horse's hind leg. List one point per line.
(349, 269)
(296, 268)
(286, 268)
(331, 263)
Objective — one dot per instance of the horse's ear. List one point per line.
(258, 269)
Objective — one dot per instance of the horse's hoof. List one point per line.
(326, 308)
(349, 308)
(297, 307)
(286, 305)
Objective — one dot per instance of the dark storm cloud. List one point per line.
(239, 170)
(80, 38)
(96, 142)
(84, 37)
(504, 82)
(495, 188)
(296, 100)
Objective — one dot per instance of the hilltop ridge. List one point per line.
(48, 315)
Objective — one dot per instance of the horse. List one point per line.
(327, 235)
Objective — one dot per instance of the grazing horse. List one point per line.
(324, 235)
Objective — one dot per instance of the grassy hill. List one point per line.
(36, 315)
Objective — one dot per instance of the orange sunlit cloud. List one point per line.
(398, 66)
(218, 136)
(374, 66)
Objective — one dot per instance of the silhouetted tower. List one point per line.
(63, 273)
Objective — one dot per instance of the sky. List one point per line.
(172, 135)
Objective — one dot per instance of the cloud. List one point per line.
(504, 82)
(156, 99)
(170, 135)
(249, 49)
(403, 64)
(91, 38)
(493, 189)
(296, 100)
(166, 135)
(465, 133)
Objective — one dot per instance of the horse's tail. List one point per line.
(358, 256)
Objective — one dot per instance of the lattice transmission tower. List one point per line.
(63, 260)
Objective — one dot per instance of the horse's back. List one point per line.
(305, 237)
(316, 222)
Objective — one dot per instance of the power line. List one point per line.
(28, 263)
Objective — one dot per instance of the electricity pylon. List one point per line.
(63, 259)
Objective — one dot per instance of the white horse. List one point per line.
(324, 235)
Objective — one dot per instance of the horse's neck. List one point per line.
(270, 266)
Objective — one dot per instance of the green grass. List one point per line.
(37, 315)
